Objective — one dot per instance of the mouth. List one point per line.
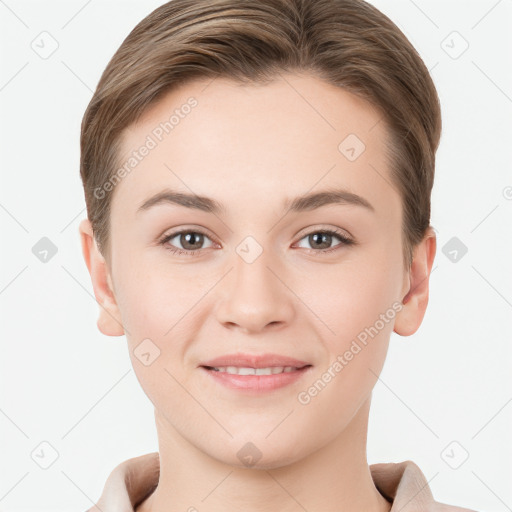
(247, 370)
(255, 381)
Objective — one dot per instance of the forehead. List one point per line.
(222, 139)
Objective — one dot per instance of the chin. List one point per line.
(256, 455)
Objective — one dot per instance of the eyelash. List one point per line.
(343, 238)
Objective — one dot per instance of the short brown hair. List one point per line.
(347, 43)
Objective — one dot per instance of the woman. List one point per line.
(257, 179)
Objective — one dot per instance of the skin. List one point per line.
(251, 148)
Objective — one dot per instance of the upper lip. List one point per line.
(254, 361)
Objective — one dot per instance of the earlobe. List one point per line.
(415, 302)
(109, 320)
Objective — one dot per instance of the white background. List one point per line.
(65, 383)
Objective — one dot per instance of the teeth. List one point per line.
(235, 370)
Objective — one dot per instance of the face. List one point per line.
(243, 267)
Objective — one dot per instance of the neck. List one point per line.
(336, 477)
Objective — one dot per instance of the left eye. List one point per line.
(322, 237)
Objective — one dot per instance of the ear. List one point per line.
(109, 320)
(409, 318)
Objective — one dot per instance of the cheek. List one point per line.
(355, 296)
(159, 312)
(157, 343)
(149, 298)
(362, 313)
(360, 307)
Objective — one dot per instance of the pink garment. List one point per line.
(402, 484)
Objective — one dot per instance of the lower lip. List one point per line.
(257, 383)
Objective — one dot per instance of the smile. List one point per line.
(271, 370)
(255, 380)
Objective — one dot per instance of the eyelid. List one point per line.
(316, 228)
(306, 231)
(187, 229)
(172, 234)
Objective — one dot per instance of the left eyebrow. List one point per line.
(325, 197)
(299, 204)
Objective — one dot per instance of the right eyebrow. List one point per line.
(194, 201)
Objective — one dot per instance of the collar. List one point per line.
(403, 484)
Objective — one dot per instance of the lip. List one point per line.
(254, 361)
(256, 384)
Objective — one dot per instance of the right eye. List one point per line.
(187, 238)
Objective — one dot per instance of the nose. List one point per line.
(255, 297)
